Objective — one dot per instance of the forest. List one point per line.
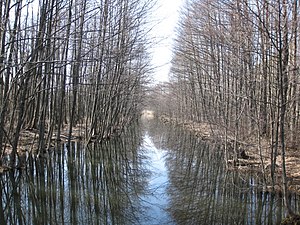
(80, 70)
(70, 69)
(235, 68)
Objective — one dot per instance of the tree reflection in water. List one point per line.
(156, 200)
(99, 184)
(109, 183)
(202, 191)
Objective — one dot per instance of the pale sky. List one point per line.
(167, 14)
(165, 17)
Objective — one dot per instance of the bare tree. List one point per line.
(69, 63)
(235, 66)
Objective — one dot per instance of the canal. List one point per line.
(154, 174)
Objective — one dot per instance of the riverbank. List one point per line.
(253, 157)
(28, 145)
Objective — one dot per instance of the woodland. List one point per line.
(80, 69)
(69, 69)
(235, 74)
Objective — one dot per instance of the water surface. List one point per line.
(157, 200)
(152, 175)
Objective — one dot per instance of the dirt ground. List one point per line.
(28, 145)
(253, 161)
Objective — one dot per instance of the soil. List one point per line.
(28, 145)
(291, 220)
(249, 159)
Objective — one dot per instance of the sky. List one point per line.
(165, 18)
(166, 14)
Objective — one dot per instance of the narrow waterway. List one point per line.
(157, 201)
(153, 175)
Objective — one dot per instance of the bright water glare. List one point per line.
(157, 201)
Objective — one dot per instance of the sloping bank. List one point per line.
(247, 156)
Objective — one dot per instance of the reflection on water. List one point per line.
(201, 191)
(99, 184)
(153, 175)
(156, 202)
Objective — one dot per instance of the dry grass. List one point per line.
(28, 143)
(256, 162)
